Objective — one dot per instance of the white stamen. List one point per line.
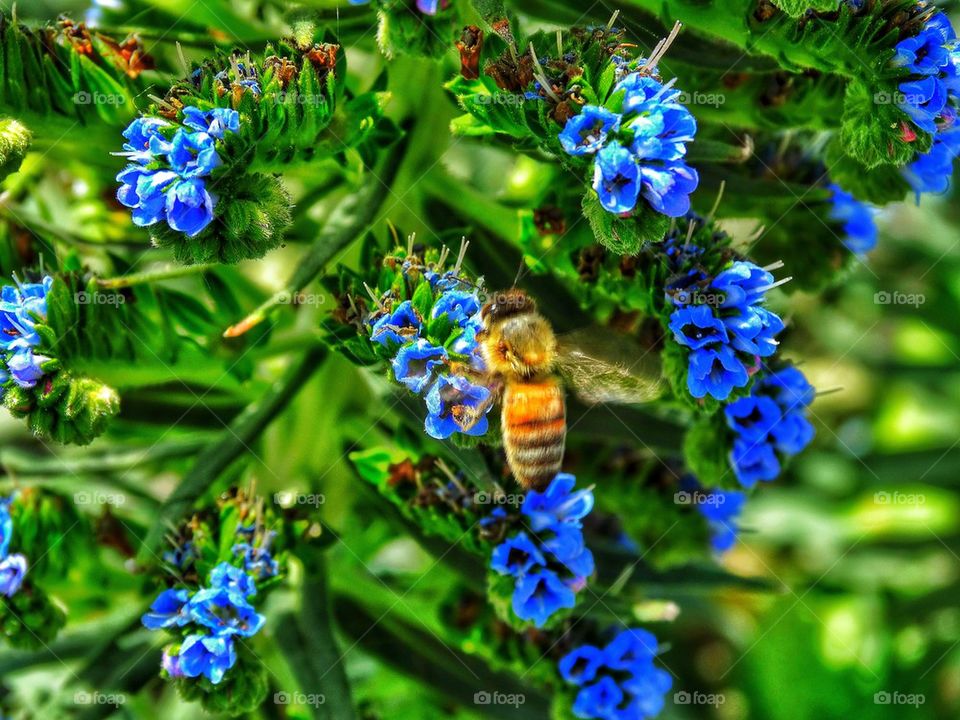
(778, 283)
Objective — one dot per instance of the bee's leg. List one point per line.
(467, 417)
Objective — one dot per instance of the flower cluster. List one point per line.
(21, 307)
(548, 560)
(211, 617)
(770, 423)
(638, 151)
(618, 681)
(859, 226)
(12, 567)
(930, 98)
(427, 7)
(167, 176)
(431, 340)
(722, 322)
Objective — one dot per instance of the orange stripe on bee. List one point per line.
(532, 403)
(534, 431)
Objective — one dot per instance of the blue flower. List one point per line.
(193, 154)
(167, 610)
(539, 595)
(189, 207)
(743, 283)
(143, 191)
(923, 54)
(170, 664)
(460, 307)
(721, 510)
(753, 330)
(557, 505)
(644, 94)
(516, 556)
(647, 686)
(20, 308)
(224, 612)
(12, 570)
(400, 326)
(715, 371)
(695, 326)
(580, 665)
(428, 7)
(231, 578)
(629, 648)
(663, 134)
(216, 123)
(257, 561)
(599, 700)
(414, 364)
(6, 527)
(138, 134)
(207, 655)
(667, 187)
(932, 171)
(566, 544)
(793, 433)
(448, 399)
(924, 100)
(753, 417)
(789, 387)
(587, 132)
(754, 461)
(616, 178)
(25, 367)
(859, 227)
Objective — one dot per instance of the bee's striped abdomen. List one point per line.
(534, 430)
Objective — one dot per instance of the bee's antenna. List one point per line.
(520, 270)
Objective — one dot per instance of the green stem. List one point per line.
(234, 443)
(168, 273)
(351, 220)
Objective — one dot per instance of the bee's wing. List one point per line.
(602, 366)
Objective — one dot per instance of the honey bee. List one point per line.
(527, 367)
